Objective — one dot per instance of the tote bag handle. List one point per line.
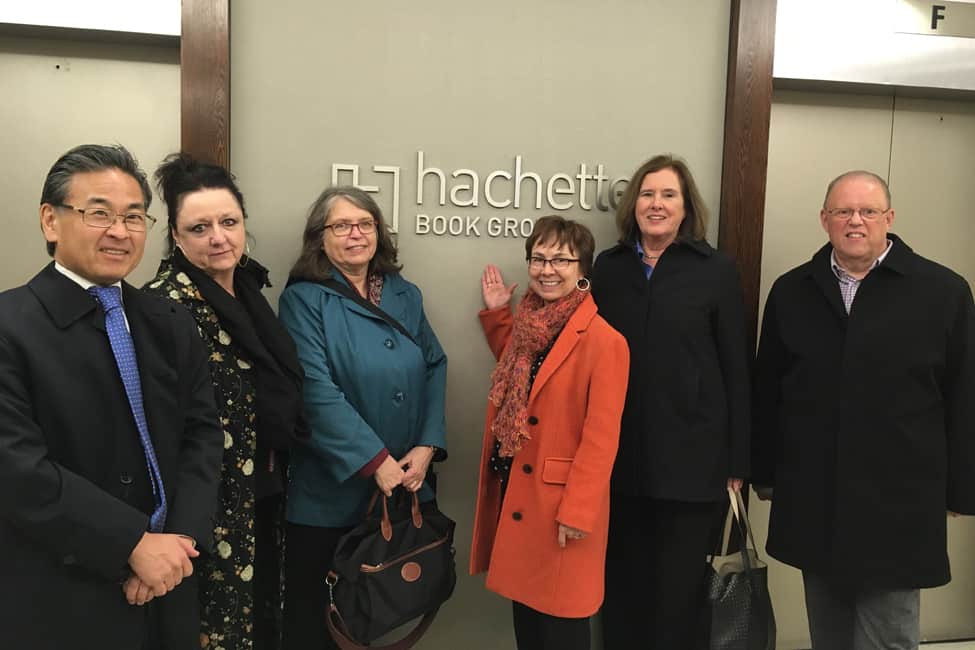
(738, 515)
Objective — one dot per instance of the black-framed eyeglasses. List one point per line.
(344, 228)
(558, 263)
(133, 220)
(867, 214)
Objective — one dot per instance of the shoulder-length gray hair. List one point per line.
(313, 264)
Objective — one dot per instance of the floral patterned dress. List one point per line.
(227, 589)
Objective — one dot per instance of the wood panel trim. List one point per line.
(748, 108)
(205, 80)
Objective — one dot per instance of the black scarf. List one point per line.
(254, 327)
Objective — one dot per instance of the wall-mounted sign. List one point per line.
(936, 18)
(160, 17)
(866, 41)
(440, 193)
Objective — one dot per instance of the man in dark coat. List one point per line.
(865, 421)
(110, 444)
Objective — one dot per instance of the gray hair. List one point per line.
(90, 158)
(312, 263)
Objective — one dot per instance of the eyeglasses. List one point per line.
(344, 228)
(558, 263)
(133, 220)
(867, 214)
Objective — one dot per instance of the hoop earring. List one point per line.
(583, 284)
(247, 254)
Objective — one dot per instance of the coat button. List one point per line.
(125, 479)
(399, 396)
(526, 468)
(388, 343)
(532, 419)
(516, 515)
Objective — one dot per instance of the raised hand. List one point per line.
(493, 291)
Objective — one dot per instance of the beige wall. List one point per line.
(58, 94)
(472, 86)
(310, 90)
(927, 146)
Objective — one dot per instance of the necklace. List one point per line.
(647, 250)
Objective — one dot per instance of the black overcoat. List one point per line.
(865, 424)
(75, 495)
(685, 427)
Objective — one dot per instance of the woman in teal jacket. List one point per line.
(374, 393)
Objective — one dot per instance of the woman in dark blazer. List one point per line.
(685, 430)
(257, 380)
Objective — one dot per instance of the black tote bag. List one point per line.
(738, 597)
(390, 569)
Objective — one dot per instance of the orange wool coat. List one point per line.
(561, 475)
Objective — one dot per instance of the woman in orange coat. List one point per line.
(549, 442)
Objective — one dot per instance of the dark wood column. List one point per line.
(205, 80)
(748, 108)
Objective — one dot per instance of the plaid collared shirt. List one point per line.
(848, 283)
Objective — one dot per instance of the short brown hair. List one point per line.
(555, 229)
(313, 264)
(695, 221)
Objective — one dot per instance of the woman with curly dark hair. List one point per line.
(257, 379)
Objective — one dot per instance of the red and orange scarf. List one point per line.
(536, 324)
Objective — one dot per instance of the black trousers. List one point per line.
(656, 572)
(268, 533)
(537, 631)
(307, 560)
(173, 621)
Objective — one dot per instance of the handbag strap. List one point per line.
(385, 525)
(354, 296)
(744, 529)
(340, 633)
(741, 515)
(730, 521)
(726, 536)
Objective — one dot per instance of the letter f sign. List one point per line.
(936, 15)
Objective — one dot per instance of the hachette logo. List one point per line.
(499, 190)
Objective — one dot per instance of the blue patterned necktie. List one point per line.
(121, 341)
